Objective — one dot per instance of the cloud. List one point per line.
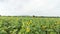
(30, 7)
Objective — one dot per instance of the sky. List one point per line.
(30, 7)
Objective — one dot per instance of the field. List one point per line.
(29, 25)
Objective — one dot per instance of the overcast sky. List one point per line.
(30, 7)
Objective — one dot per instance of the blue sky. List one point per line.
(30, 7)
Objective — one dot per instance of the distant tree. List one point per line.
(0, 15)
(33, 16)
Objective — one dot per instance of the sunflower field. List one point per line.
(29, 25)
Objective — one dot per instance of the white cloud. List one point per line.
(30, 7)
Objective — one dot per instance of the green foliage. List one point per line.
(29, 25)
